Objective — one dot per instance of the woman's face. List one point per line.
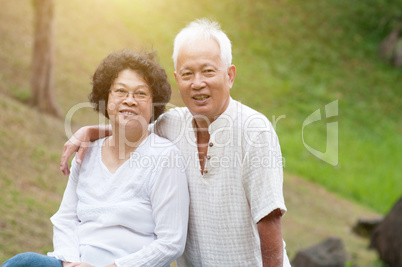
(130, 101)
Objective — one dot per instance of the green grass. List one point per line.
(292, 58)
(30, 184)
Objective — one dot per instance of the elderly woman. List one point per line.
(127, 203)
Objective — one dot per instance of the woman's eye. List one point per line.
(122, 91)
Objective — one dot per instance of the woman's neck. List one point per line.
(123, 142)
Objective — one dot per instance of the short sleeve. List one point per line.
(263, 174)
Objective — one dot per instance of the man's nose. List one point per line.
(198, 81)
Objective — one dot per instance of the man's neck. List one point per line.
(203, 135)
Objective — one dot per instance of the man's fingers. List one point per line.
(68, 150)
(79, 143)
(65, 170)
(80, 154)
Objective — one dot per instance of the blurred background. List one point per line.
(293, 58)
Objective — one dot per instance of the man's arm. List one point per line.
(79, 143)
(270, 231)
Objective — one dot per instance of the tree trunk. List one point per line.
(390, 48)
(43, 59)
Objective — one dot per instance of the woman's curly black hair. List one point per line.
(141, 62)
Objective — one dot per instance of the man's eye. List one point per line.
(208, 72)
(186, 74)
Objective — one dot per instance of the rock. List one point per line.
(365, 226)
(387, 237)
(329, 253)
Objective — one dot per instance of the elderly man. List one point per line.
(232, 154)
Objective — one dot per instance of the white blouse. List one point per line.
(135, 217)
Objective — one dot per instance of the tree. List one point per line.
(390, 48)
(43, 58)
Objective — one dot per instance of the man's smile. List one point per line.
(200, 97)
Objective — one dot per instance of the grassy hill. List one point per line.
(292, 58)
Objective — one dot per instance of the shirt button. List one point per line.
(211, 144)
(208, 157)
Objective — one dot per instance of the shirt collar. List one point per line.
(222, 120)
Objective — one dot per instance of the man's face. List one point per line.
(204, 81)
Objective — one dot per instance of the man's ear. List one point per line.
(231, 74)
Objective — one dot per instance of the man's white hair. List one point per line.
(203, 29)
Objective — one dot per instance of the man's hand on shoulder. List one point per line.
(79, 143)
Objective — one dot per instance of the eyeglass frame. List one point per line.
(113, 91)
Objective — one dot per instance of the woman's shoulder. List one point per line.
(161, 145)
(97, 143)
(94, 148)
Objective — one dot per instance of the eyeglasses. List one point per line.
(139, 95)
